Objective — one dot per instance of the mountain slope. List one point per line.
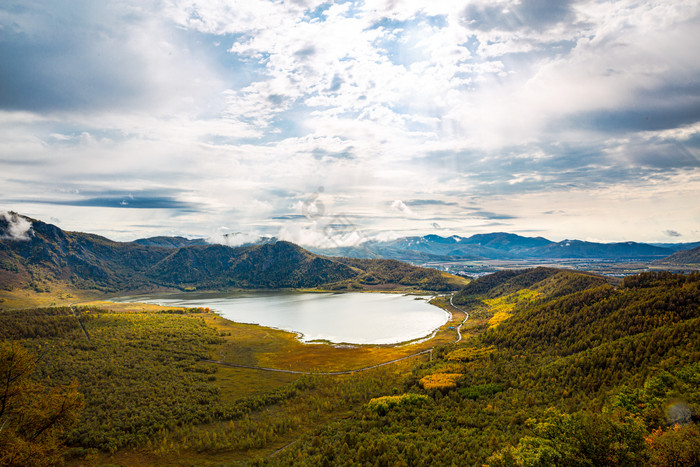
(566, 369)
(683, 257)
(170, 242)
(45, 254)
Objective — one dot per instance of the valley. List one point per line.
(350, 233)
(539, 364)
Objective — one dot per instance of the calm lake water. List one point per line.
(357, 318)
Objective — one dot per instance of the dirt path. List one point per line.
(75, 313)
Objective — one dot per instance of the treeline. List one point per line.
(46, 322)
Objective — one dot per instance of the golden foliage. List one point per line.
(467, 354)
(440, 381)
(498, 318)
(383, 404)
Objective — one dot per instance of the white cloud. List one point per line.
(247, 108)
(18, 228)
(235, 239)
(401, 207)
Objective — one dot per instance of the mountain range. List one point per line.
(35, 254)
(505, 246)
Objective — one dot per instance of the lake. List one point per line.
(354, 318)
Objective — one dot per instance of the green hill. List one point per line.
(566, 369)
(683, 258)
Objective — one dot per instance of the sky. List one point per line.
(333, 123)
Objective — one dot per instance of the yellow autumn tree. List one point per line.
(440, 381)
(33, 417)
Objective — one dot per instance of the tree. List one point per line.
(579, 439)
(679, 446)
(33, 417)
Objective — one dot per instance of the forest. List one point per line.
(555, 368)
(586, 373)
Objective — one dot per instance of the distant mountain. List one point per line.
(501, 246)
(45, 254)
(579, 249)
(683, 257)
(677, 246)
(170, 242)
(507, 241)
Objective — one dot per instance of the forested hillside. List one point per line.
(47, 255)
(681, 258)
(569, 370)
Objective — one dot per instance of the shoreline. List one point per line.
(299, 335)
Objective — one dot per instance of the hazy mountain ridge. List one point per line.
(504, 246)
(45, 254)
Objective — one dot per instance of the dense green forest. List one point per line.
(580, 373)
(558, 368)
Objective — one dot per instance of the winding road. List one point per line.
(466, 317)
(348, 372)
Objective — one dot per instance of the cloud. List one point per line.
(322, 235)
(234, 239)
(401, 207)
(125, 200)
(431, 202)
(394, 107)
(90, 56)
(15, 227)
(491, 215)
(511, 16)
(672, 233)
